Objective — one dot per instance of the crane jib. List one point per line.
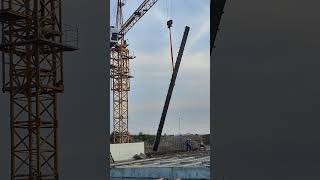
(137, 15)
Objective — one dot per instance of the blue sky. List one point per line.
(149, 40)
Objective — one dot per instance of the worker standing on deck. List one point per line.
(188, 144)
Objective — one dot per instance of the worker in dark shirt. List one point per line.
(188, 145)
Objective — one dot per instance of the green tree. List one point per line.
(141, 136)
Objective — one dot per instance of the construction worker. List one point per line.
(190, 145)
(187, 144)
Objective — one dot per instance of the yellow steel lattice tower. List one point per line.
(120, 86)
(33, 42)
(120, 74)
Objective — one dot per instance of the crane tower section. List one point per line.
(120, 74)
(33, 42)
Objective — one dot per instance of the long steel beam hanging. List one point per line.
(170, 90)
(33, 42)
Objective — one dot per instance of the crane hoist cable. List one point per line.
(171, 9)
(169, 24)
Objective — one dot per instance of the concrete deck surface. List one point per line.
(183, 166)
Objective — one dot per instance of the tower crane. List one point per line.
(120, 71)
(117, 33)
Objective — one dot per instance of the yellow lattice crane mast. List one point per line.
(33, 41)
(120, 69)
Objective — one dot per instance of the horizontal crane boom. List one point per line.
(136, 16)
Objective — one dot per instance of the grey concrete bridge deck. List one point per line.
(175, 166)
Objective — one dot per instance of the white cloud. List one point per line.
(181, 104)
(159, 15)
(203, 30)
(159, 64)
(192, 86)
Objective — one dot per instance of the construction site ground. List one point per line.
(178, 165)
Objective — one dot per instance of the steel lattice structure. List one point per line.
(120, 86)
(33, 42)
(120, 74)
(137, 15)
